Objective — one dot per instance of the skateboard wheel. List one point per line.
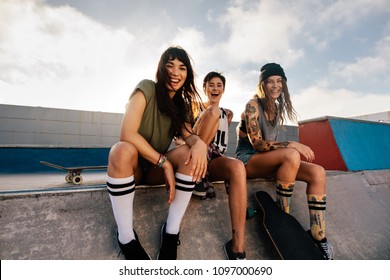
(250, 213)
(77, 180)
(68, 178)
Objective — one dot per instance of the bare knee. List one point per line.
(317, 180)
(292, 157)
(237, 168)
(122, 159)
(210, 115)
(178, 155)
(237, 181)
(237, 175)
(318, 174)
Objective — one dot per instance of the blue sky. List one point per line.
(89, 55)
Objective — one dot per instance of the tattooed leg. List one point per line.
(317, 209)
(283, 195)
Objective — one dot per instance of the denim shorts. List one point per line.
(244, 150)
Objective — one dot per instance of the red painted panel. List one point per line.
(318, 135)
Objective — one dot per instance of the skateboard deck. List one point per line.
(74, 173)
(287, 235)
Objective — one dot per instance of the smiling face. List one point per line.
(214, 90)
(273, 87)
(177, 75)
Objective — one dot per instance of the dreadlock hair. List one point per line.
(180, 108)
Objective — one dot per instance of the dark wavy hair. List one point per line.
(180, 108)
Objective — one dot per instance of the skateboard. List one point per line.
(289, 238)
(74, 173)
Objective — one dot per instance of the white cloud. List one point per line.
(317, 102)
(193, 41)
(57, 53)
(348, 12)
(54, 43)
(261, 33)
(364, 68)
(370, 71)
(327, 21)
(56, 56)
(240, 87)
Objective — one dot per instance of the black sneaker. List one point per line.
(200, 189)
(230, 255)
(169, 243)
(324, 245)
(133, 250)
(210, 193)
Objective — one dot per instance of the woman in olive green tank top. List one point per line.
(156, 112)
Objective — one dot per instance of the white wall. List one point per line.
(22, 125)
(376, 117)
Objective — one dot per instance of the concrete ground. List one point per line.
(42, 217)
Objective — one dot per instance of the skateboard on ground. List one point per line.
(287, 235)
(74, 173)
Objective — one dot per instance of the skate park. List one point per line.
(44, 217)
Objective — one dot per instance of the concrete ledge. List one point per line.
(80, 225)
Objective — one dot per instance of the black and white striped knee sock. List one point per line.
(121, 192)
(184, 188)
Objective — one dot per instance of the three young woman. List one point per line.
(160, 110)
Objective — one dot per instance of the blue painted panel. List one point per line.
(363, 145)
(26, 159)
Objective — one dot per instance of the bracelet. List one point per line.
(162, 160)
(159, 160)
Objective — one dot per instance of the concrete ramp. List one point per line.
(347, 144)
(75, 223)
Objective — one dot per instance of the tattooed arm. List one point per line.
(251, 115)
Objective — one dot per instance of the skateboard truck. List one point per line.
(74, 177)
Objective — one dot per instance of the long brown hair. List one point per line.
(180, 107)
(283, 109)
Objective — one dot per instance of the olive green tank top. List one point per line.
(155, 126)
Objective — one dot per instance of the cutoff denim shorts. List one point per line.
(244, 150)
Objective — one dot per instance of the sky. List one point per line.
(90, 54)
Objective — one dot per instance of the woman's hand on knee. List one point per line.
(304, 150)
(197, 157)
